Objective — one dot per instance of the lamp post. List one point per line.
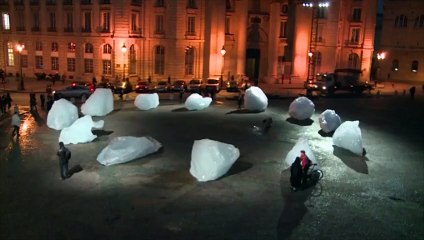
(223, 51)
(20, 47)
(123, 50)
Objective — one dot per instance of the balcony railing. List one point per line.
(136, 31)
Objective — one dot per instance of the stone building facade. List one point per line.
(265, 40)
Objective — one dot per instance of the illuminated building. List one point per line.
(266, 40)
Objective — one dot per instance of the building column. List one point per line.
(242, 10)
(302, 31)
(216, 22)
(274, 24)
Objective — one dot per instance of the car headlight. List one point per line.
(324, 87)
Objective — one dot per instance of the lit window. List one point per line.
(71, 64)
(159, 60)
(55, 63)
(107, 67)
(6, 21)
(107, 49)
(71, 47)
(10, 55)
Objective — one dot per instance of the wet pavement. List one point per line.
(379, 196)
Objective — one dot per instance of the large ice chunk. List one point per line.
(348, 136)
(197, 102)
(301, 108)
(127, 148)
(80, 131)
(329, 120)
(100, 103)
(212, 159)
(147, 101)
(302, 144)
(255, 99)
(62, 114)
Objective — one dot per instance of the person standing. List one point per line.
(64, 155)
(8, 101)
(16, 108)
(42, 100)
(240, 100)
(16, 124)
(49, 103)
(94, 82)
(412, 92)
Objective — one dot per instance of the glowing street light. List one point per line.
(20, 48)
(223, 51)
(123, 50)
(381, 55)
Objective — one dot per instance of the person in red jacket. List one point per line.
(299, 171)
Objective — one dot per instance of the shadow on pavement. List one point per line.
(324, 134)
(101, 132)
(38, 119)
(238, 167)
(75, 169)
(355, 162)
(243, 111)
(181, 109)
(306, 122)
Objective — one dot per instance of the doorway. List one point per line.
(252, 64)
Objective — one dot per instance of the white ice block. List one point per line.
(348, 136)
(255, 99)
(80, 131)
(127, 148)
(329, 120)
(62, 114)
(301, 108)
(197, 102)
(100, 103)
(211, 159)
(302, 144)
(147, 101)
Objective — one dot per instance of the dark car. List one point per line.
(74, 91)
(212, 86)
(162, 86)
(122, 87)
(142, 87)
(195, 86)
(232, 86)
(179, 86)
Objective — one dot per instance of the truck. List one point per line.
(340, 80)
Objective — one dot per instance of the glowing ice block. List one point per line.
(255, 99)
(301, 108)
(348, 136)
(80, 131)
(62, 114)
(100, 103)
(147, 101)
(329, 121)
(197, 102)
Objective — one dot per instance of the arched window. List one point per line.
(133, 67)
(107, 49)
(55, 47)
(419, 21)
(159, 60)
(189, 60)
(353, 61)
(414, 66)
(88, 48)
(395, 65)
(401, 21)
(191, 4)
(71, 46)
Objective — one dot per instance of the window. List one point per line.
(55, 47)
(10, 55)
(88, 48)
(134, 21)
(353, 61)
(227, 25)
(320, 12)
(107, 67)
(401, 21)
(159, 24)
(395, 65)
(35, 22)
(159, 60)
(71, 46)
(160, 3)
(87, 22)
(24, 61)
(55, 63)
(355, 35)
(191, 25)
(283, 29)
(191, 4)
(133, 60)
(107, 49)
(6, 21)
(419, 22)
(20, 20)
(106, 22)
(69, 27)
(284, 9)
(414, 66)
(88, 65)
(228, 5)
(136, 2)
(39, 62)
(71, 64)
(189, 61)
(38, 46)
(356, 15)
(52, 26)
(317, 58)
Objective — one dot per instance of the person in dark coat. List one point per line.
(64, 155)
(49, 103)
(42, 100)
(32, 102)
(8, 101)
(412, 92)
(299, 171)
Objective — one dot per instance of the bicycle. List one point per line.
(314, 174)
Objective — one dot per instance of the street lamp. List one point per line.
(20, 47)
(223, 51)
(123, 50)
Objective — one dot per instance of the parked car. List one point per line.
(162, 86)
(105, 84)
(195, 86)
(178, 86)
(142, 87)
(212, 86)
(73, 91)
(122, 87)
(232, 86)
